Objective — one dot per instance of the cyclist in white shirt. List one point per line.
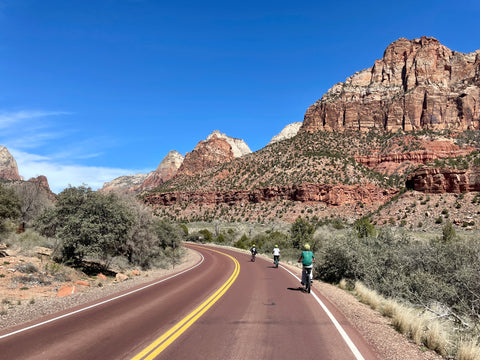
(276, 255)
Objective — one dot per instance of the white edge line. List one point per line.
(100, 303)
(339, 327)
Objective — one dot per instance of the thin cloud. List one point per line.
(61, 175)
(8, 119)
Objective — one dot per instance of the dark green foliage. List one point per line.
(364, 228)
(207, 235)
(448, 232)
(242, 243)
(91, 224)
(301, 232)
(220, 239)
(101, 227)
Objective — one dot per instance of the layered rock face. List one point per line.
(439, 181)
(8, 166)
(418, 84)
(166, 170)
(396, 162)
(216, 149)
(334, 195)
(288, 132)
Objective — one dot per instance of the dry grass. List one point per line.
(423, 328)
(367, 296)
(468, 350)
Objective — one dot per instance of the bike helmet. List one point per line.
(306, 246)
(276, 245)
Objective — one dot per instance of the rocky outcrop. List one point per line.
(41, 180)
(333, 195)
(288, 132)
(8, 166)
(239, 147)
(396, 162)
(124, 184)
(439, 181)
(216, 149)
(165, 171)
(418, 84)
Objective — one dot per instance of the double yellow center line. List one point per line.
(160, 344)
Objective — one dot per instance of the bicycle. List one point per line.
(252, 259)
(275, 260)
(308, 283)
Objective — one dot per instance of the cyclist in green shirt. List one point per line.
(307, 259)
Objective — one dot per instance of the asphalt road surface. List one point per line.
(226, 307)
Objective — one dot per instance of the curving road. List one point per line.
(226, 307)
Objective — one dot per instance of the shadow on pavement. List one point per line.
(301, 288)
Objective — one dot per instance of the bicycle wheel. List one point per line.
(308, 282)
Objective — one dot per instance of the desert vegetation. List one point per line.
(428, 287)
(82, 226)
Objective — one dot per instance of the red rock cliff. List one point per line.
(417, 84)
(330, 194)
(433, 180)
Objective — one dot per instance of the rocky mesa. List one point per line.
(418, 84)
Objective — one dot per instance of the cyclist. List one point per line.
(276, 255)
(307, 259)
(253, 250)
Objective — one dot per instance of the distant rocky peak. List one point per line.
(8, 165)
(173, 160)
(288, 132)
(239, 147)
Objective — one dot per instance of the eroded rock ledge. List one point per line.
(333, 195)
(439, 181)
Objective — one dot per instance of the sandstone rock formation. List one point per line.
(41, 180)
(334, 195)
(397, 162)
(8, 166)
(439, 181)
(417, 84)
(165, 171)
(216, 149)
(124, 184)
(288, 132)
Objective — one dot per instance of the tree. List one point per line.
(89, 223)
(364, 228)
(34, 199)
(301, 232)
(448, 232)
(9, 206)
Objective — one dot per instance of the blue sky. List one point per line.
(95, 89)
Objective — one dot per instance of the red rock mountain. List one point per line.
(216, 149)
(418, 84)
(411, 120)
(166, 170)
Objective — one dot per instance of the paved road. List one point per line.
(225, 308)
